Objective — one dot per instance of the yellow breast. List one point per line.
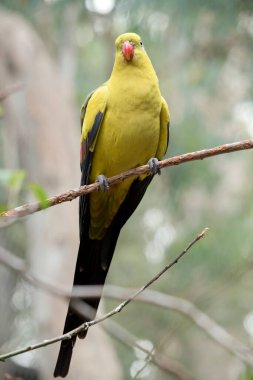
(128, 137)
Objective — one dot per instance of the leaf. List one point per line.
(3, 207)
(40, 193)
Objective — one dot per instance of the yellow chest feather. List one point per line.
(128, 137)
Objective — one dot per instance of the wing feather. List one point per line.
(92, 114)
(164, 130)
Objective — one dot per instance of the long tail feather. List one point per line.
(89, 271)
(93, 262)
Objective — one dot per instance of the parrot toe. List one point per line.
(154, 166)
(103, 182)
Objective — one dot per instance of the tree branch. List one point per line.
(120, 307)
(212, 329)
(20, 268)
(128, 339)
(152, 297)
(30, 208)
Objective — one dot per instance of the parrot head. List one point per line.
(128, 45)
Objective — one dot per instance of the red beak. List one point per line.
(128, 50)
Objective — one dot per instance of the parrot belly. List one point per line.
(120, 146)
(126, 140)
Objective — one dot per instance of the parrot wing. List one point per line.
(92, 114)
(91, 118)
(164, 130)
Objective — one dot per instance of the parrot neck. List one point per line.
(140, 67)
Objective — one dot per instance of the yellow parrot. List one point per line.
(125, 123)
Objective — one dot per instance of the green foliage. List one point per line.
(14, 186)
(40, 194)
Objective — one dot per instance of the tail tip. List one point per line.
(64, 359)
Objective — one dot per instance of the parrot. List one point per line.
(124, 124)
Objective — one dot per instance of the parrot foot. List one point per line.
(154, 166)
(103, 182)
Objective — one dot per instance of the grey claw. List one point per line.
(154, 166)
(103, 182)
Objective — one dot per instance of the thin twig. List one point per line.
(19, 266)
(152, 297)
(212, 329)
(30, 208)
(119, 308)
(161, 361)
(87, 325)
(122, 335)
(128, 339)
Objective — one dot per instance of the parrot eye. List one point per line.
(141, 43)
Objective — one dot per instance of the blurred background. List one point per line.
(60, 50)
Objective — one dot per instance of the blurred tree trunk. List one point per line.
(42, 136)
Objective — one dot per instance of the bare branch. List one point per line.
(17, 264)
(128, 339)
(120, 307)
(30, 208)
(202, 320)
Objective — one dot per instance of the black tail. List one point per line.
(93, 262)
